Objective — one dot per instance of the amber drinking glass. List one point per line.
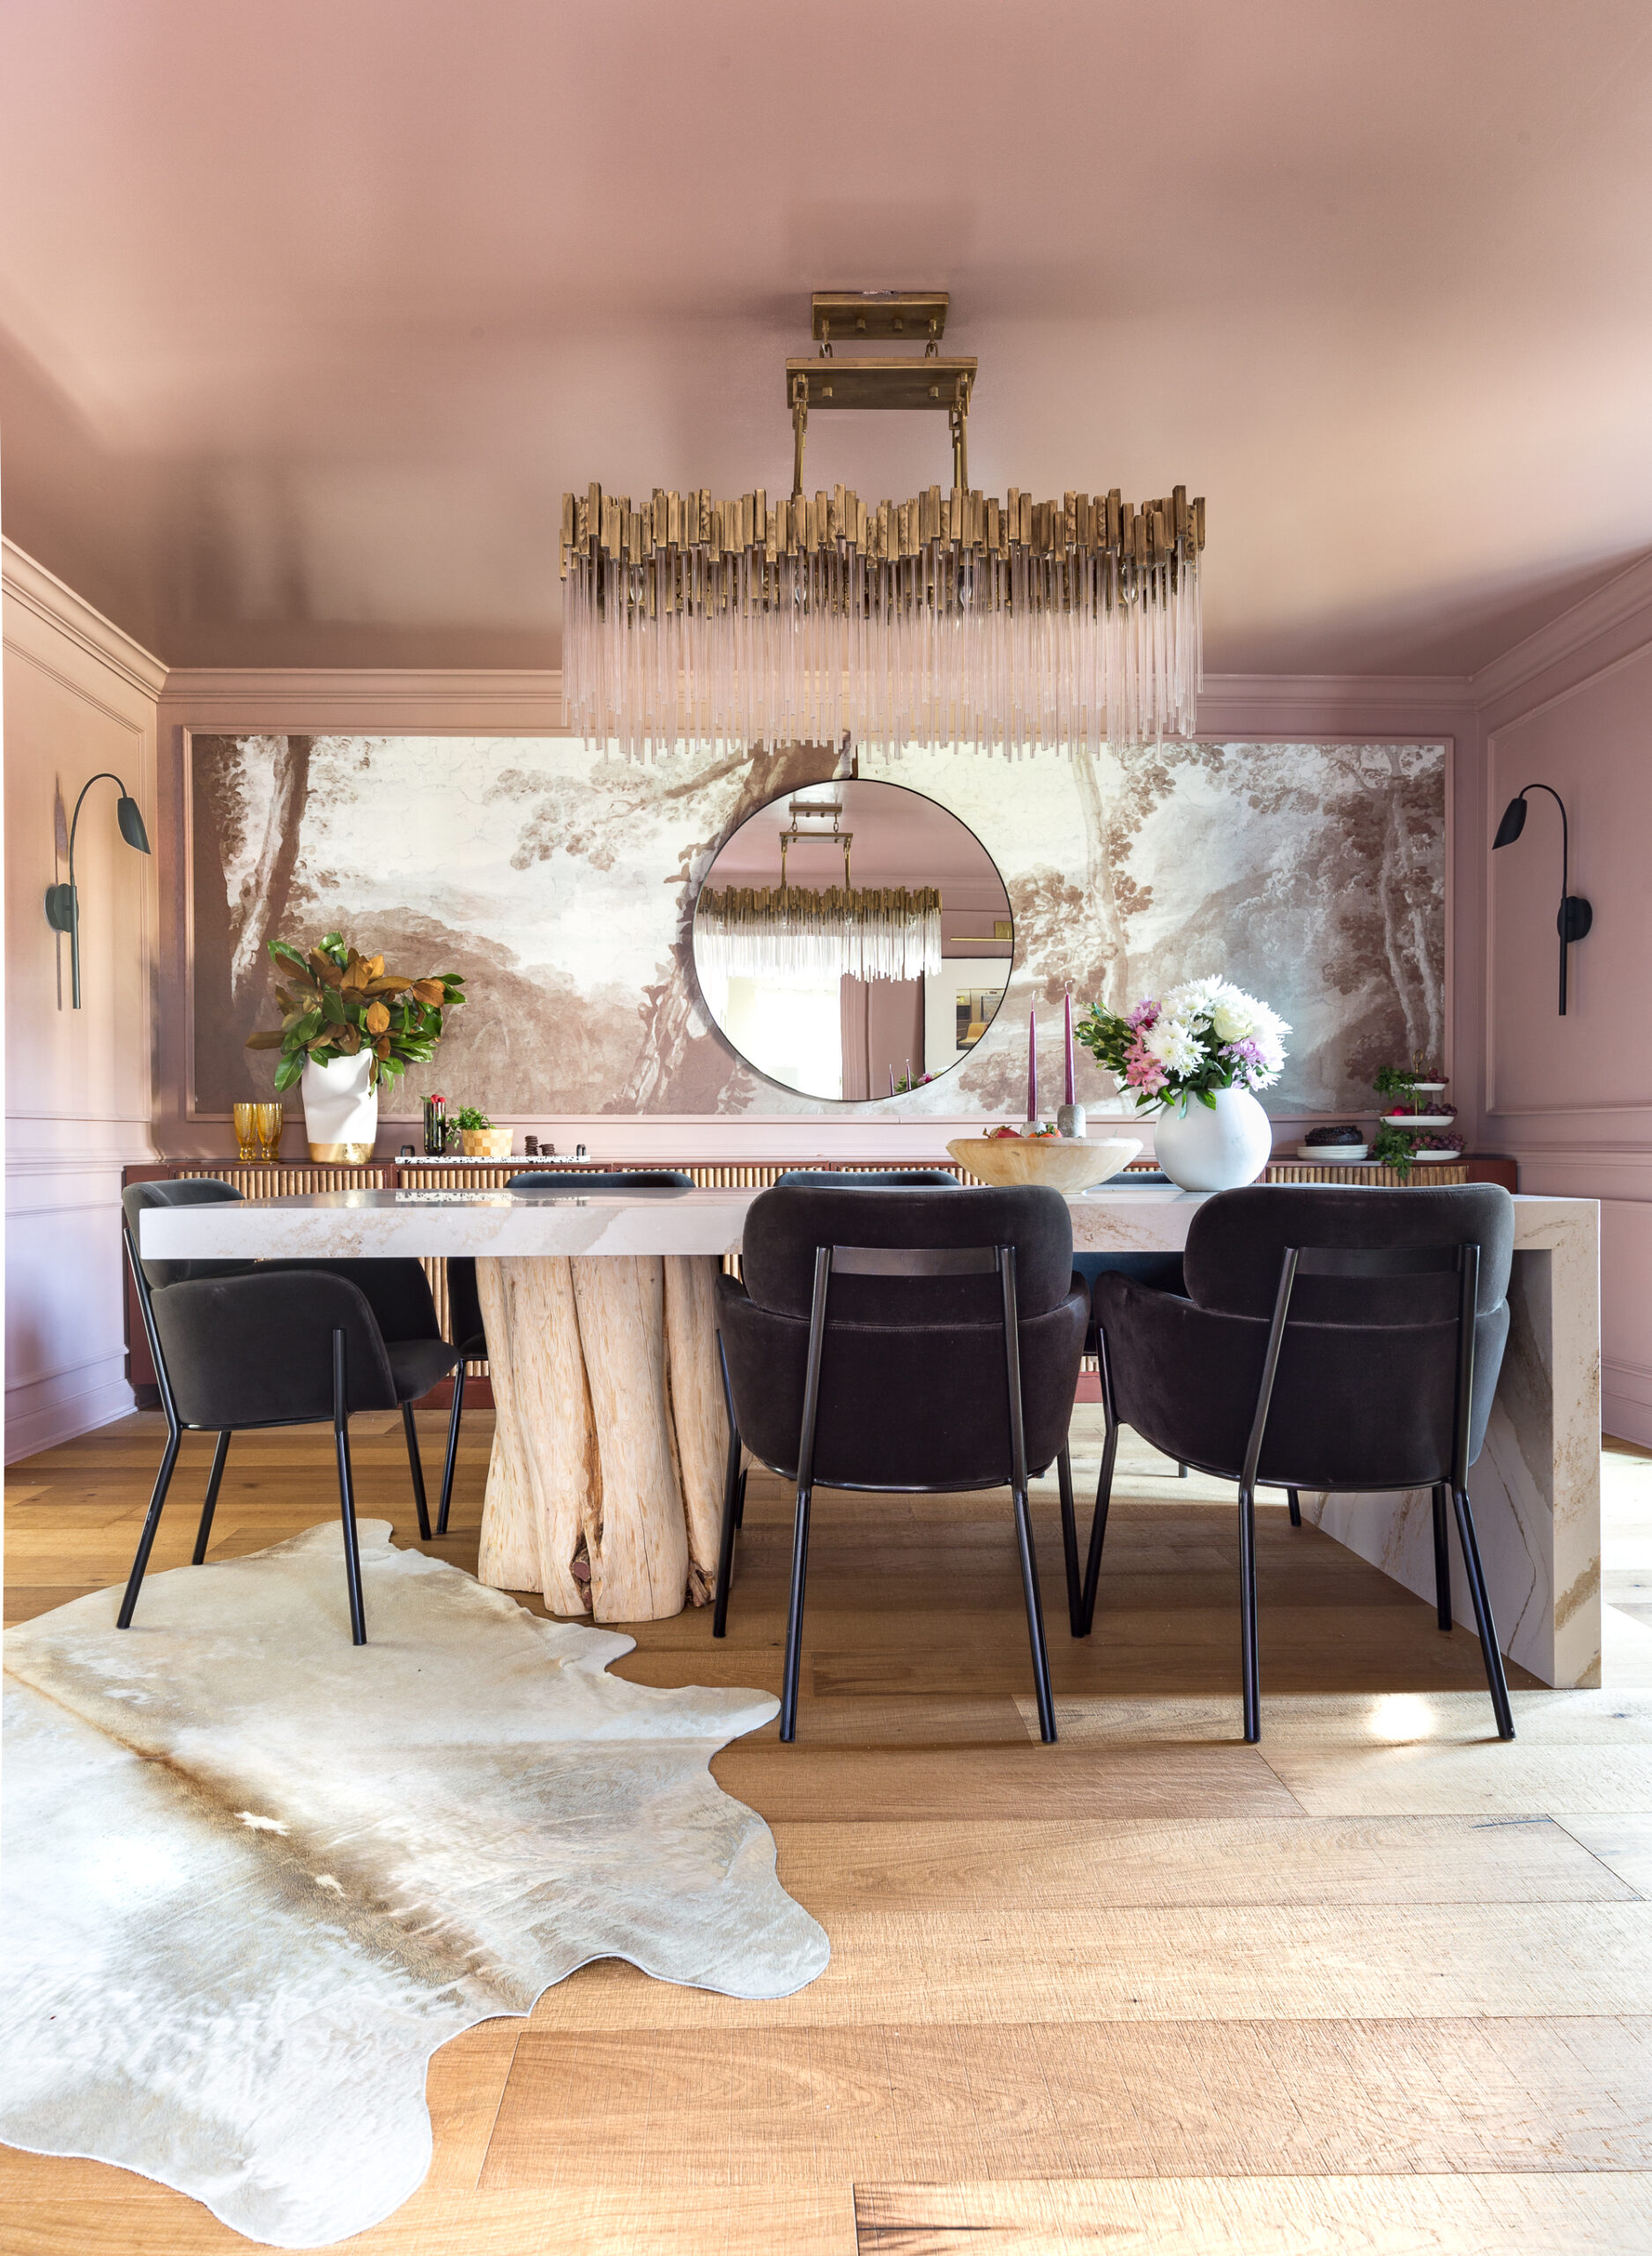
(269, 1127)
(247, 1133)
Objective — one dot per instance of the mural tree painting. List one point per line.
(560, 881)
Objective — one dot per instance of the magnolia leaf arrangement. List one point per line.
(338, 1002)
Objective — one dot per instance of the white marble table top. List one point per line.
(341, 1225)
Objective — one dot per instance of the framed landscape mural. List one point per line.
(560, 881)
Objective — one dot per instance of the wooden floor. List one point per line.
(1380, 1984)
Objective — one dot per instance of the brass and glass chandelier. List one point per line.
(952, 618)
(805, 933)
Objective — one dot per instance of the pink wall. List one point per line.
(1571, 1098)
(79, 698)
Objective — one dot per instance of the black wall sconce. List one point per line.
(62, 903)
(1576, 915)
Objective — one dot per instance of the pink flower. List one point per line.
(1143, 1015)
(1141, 1070)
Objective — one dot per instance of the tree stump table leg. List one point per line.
(699, 1420)
(610, 1430)
(543, 1474)
(639, 1550)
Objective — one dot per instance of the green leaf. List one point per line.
(288, 1073)
(332, 1008)
(268, 1039)
(1205, 1098)
(279, 950)
(303, 1028)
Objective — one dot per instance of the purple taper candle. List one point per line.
(892, 1080)
(1071, 1096)
(1032, 1063)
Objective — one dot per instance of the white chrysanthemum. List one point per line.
(1175, 1044)
(1195, 999)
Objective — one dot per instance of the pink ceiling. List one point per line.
(309, 311)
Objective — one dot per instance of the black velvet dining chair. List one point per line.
(910, 1342)
(465, 1326)
(868, 1178)
(237, 1344)
(1332, 1338)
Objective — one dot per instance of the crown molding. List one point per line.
(1358, 703)
(458, 700)
(438, 700)
(30, 584)
(1597, 614)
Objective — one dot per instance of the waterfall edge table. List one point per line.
(611, 1423)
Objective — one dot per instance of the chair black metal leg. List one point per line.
(1182, 1470)
(1069, 1544)
(1034, 1618)
(805, 1488)
(1494, 1677)
(1249, 1663)
(1442, 1555)
(451, 1462)
(739, 1498)
(1103, 1498)
(346, 1488)
(417, 1471)
(145, 1541)
(733, 1484)
(794, 1617)
(207, 1509)
(1295, 1503)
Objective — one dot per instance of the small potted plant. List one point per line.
(480, 1137)
(1343, 1143)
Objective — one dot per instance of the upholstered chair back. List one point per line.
(871, 1178)
(912, 1387)
(1366, 1383)
(195, 1190)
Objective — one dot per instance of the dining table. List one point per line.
(611, 1435)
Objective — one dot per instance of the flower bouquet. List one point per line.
(1206, 1035)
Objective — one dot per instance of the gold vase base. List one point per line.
(341, 1154)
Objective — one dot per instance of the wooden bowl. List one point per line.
(1066, 1163)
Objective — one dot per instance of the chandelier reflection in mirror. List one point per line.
(952, 618)
(846, 989)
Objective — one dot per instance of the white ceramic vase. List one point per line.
(1202, 1150)
(341, 1113)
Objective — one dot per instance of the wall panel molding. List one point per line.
(80, 697)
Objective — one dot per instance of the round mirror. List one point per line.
(853, 940)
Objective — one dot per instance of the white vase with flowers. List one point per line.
(1196, 1059)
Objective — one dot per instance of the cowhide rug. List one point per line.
(254, 1875)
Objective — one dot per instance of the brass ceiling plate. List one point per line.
(851, 316)
(917, 382)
